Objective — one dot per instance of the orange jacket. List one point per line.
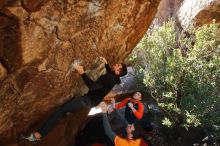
(124, 142)
(140, 111)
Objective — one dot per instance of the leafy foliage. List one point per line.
(181, 70)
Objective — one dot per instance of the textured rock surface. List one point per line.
(167, 9)
(199, 12)
(38, 41)
(3, 72)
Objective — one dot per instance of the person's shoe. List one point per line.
(30, 138)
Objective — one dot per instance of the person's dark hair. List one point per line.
(138, 132)
(142, 94)
(123, 70)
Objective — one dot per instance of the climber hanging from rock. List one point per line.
(97, 91)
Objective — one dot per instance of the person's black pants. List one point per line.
(70, 106)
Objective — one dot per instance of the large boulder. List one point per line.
(38, 41)
(199, 12)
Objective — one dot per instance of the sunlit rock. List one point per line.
(39, 39)
(199, 12)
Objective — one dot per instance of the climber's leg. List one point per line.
(70, 106)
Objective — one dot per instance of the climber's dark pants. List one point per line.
(70, 106)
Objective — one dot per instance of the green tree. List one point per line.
(181, 70)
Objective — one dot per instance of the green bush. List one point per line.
(181, 70)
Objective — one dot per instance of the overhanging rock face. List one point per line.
(199, 12)
(38, 41)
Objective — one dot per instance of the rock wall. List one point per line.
(199, 12)
(167, 9)
(38, 41)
